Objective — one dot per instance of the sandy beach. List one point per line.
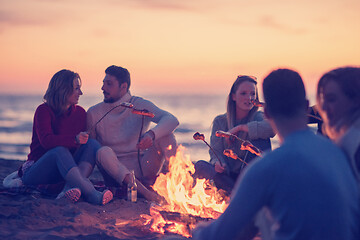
(30, 215)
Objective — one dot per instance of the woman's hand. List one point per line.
(218, 167)
(82, 138)
(238, 128)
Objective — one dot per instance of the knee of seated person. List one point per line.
(94, 144)
(103, 153)
(59, 149)
(168, 144)
(202, 169)
(200, 164)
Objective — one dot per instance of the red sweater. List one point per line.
(51, 131)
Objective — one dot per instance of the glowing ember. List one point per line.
(199, 200)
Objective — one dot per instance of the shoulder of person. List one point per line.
(139, 100)
(95, 107)
(142, 103)
(220, 123)
(79, 108)
(259, 116)
(43, 109)
(221, 117)
(79, 111)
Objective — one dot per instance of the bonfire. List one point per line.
(188, 201)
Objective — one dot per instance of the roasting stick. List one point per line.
(245, 145)
(199, 136)
(230, 153)
(142, 112)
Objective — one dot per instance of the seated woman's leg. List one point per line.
(225, 182)
(60, 159)
(46, 170)
(85, 157)
(204, 169)
(75, 178)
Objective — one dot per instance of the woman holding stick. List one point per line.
(60, 150)
(243, 120)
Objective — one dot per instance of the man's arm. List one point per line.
(165, 121)
(248, 197)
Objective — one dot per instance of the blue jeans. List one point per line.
(54, 165)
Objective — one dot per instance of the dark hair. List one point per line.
(61, 86)
(121, 74)
(348, 79)
(284, 93)
(231, 104)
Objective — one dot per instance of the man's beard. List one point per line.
(109, 100)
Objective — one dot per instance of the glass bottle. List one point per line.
(132, 188)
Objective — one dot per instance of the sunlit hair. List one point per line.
(120, 73)
(284, 94)
(231, 104)
(61, 86)
(348, 79)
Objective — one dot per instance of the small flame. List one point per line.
(169, 147)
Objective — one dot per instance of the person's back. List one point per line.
(308, 186)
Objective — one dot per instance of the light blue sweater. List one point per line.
(307, 185)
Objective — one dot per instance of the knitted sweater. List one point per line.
(120, 128)
(50, 131)
(259, 134)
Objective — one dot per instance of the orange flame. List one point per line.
(184, 196)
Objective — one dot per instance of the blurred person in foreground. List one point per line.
(60, 150)
(338, 95)
(128, 142)
(304, 188)
(243, 120)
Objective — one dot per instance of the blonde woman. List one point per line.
(244, 120)
(60, 150)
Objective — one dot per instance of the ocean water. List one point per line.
(195, 114)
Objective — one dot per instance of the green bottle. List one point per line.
(132, 188)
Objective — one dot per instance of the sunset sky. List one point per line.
(173, 46)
